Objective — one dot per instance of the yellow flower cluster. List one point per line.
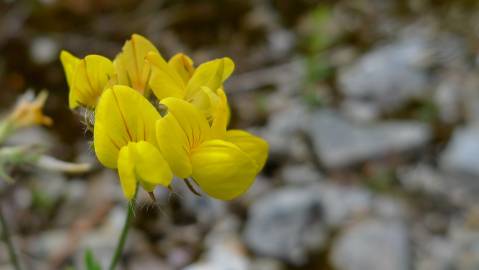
(190, 140)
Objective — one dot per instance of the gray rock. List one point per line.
(435, 254)
(6, 266)
(456, 96)
(224, 249)
(148, 262)
(447, 98)
(360, 111)
(467, 241)
(44, 50)
(280, 222)
(301, 174)
(389, 75)
(103, 240)
(283, 132)
(52, 185)
(454, 186)
(266, 264)
(288, 223)
(100, 189)
(262, 185)
(343, 203)
(4, 258)
(34, 135)
(462, 152)
(291, 119)
(451, 50)
(47, 242)
(338, 142)
(179, 257)
(468, 96)
(286, 146)
(206, 209)
(372, 245)
(389, 208)
(281, 42)
(86, 154)
(423, 178)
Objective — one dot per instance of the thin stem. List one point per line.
(8, 242)
(124, 233)
(6, 129)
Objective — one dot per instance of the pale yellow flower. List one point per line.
(29, 111)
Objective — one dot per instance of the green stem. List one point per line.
(124, 233)
(8, 242)
(6, 129)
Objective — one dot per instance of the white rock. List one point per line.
(339, 142)
(287, 223)
(462, 152)
(388, 75)
(44, 50)
(301, 174)
(372, 245)
(224, 249)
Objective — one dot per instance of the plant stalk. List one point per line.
(8, 241)
(6, 129)
(124, 233)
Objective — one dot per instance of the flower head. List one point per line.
(190, 141)
(224, 166)
(87, 78)
(29, 111)
(125, 139)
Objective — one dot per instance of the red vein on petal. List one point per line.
(137, 67)
(122, 116)
(114, 143)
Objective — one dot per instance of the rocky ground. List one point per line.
(371, 110)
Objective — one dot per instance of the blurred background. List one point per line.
(370, 107)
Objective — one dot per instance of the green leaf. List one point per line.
(90, 261)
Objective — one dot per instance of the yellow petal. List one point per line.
(211, 74)
(72, 100)
(106, 148)
(123, 115)
(220, 115)
(173, 144)
(69, 62)
(204, 100)
(126, 171)
(130, 64)
(183, 66)
(190, 119)
(214, 106)
(222, 170)
(29, 112)
(90, 78)
(165, 81)
(150, 165)
(253, 146)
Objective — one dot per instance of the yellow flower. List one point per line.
(190, 141)
(87, 78)
(130, 65)
(178, 78)
(223, 164)
(28, 111)
(124, 138)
